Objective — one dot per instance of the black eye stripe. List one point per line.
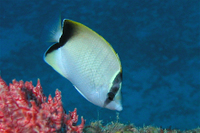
(118, 78)
(116, 83)
(114, 89)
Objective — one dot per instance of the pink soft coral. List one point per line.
(24, 109)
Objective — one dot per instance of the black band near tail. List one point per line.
(68, 32)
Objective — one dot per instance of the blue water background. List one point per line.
(158, 42)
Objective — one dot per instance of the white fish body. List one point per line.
(89, 62)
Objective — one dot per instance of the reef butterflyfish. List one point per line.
(89, 62)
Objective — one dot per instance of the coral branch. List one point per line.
(24, 108)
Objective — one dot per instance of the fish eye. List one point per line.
(111, 96)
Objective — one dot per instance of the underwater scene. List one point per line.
(110, 66)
